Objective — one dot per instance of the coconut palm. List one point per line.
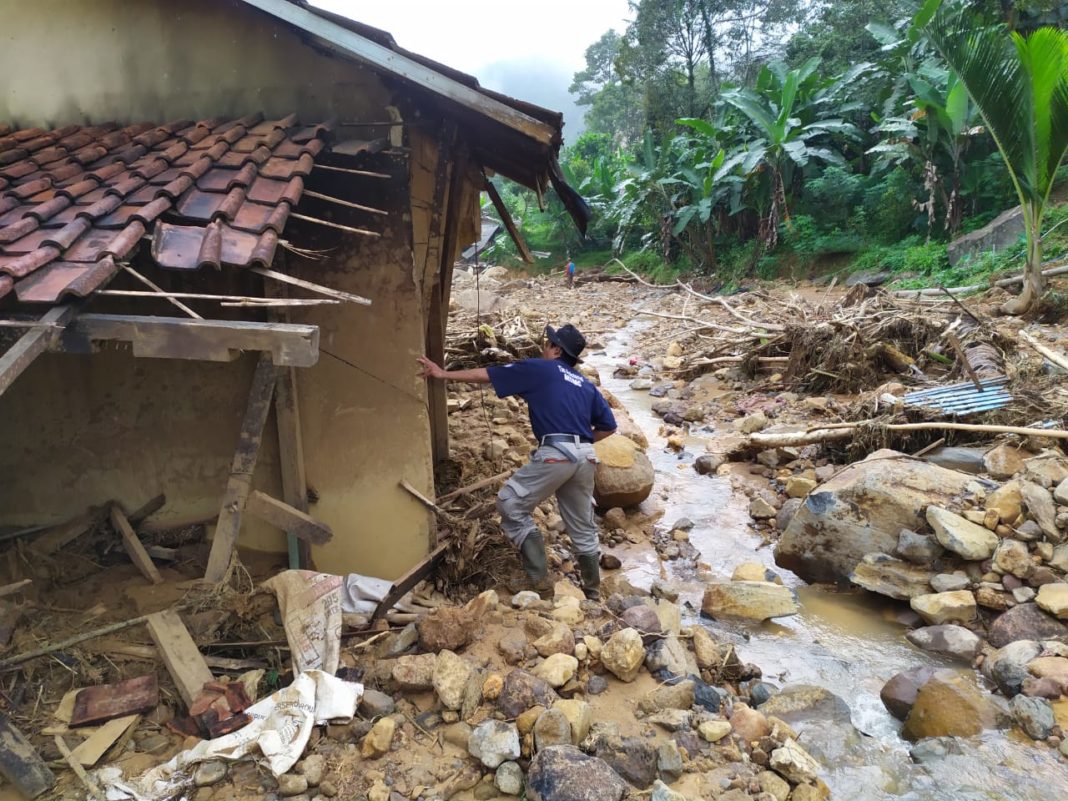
(1020, 86)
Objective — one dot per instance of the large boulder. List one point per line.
(862, 510)
(756, 600)
(1024, 622)
(563, 773)
(891, 577)
(996, 235)
(949, 707)
(624, 475)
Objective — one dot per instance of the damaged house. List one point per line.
(226, 231)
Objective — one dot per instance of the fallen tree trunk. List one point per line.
(1061, 269)
(838, 431)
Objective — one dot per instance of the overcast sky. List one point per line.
(528, 50)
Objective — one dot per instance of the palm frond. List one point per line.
(990, 70)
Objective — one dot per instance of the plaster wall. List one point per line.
(79, 61)
(80, 430)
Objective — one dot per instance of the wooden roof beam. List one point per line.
(179, 338)
(351, 44)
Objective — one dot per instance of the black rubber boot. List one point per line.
(532, 554)
(590, 571)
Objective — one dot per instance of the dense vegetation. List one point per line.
(767, 137)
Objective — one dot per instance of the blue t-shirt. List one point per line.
(561, 400)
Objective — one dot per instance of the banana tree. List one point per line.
(792, 128)
(935, 131)
(707, 189)
(1020, 86)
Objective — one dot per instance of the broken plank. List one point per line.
(52, 539)
(31, 345)
(18, 586)
(20, 764)
(180, 654)
(243, 466)
(147, 510)
(102, 703)
(90, 750)
(406, 582)
(290, 520)
(179, 338)
(133, 546)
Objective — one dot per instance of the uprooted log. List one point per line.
(840, 431)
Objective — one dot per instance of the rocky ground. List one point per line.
(495, 694)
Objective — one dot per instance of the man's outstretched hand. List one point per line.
(429, 368)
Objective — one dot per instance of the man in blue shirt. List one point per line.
(568, 414)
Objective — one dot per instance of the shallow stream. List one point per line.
(845, 642)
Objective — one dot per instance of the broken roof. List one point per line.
(519, 140)
(77, 200)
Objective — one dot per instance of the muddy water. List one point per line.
(843, 641)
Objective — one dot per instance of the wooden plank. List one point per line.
(147, 510)
(241, 470)
(180, 654)
(59, 536)
(405, 583)
(32, 344)
(290, 520)
(94, 746)
(509, 223)
(291, 457)
(207, 340)
(382, 59)
(102, 703)
(20, 763)
(133, 546)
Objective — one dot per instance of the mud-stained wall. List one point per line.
(76, 61)
(80, 430)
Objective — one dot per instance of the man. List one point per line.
(568, 414)
(570, 272)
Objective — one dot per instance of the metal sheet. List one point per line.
(963, 399)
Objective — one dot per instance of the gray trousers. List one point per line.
(551, 471)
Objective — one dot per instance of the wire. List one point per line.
(422, 401)
(478, 327)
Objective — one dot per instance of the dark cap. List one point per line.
(568, 338)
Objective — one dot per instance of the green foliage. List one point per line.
(835, 193)
(719, 145)
(889, 206)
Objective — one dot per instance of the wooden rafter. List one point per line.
(32, 344)
(509, 223)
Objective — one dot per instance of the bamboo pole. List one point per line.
(149, 283)
(348, 171)
(339, 226)
(346, 203)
